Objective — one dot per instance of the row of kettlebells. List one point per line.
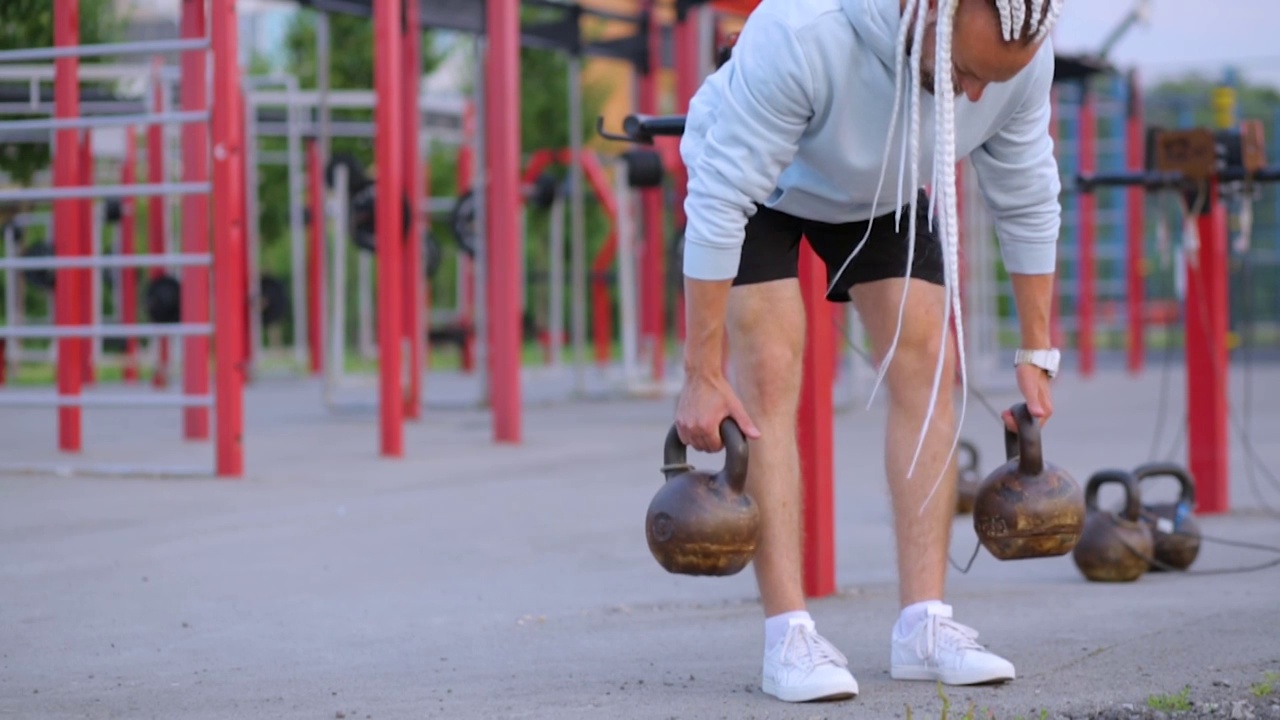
(703, 523)
(1118, 545)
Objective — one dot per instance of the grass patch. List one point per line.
(1171, 703)
(970, 714)
(1267, 686)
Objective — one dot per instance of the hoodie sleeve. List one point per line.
(740, 137)
(1018, 175)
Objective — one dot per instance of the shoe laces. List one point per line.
(945, 632)
(805, 644)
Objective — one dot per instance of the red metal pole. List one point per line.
(601, 307)
(502, 155)
(414, 278)
(195, 223)
(1208, 444)
(315, 260)
(1088, 232)
(652, 306)
(85, 240)
(155, 209)
(1136, 292)
(389, 119)
(1055, 311)
(228, 249)
(66, 173)
(466, 266)
(129, 276)
(814, 430)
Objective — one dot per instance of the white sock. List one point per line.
(911, 616)
(775, 628)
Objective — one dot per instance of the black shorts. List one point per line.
(771, 250)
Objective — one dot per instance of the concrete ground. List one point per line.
(470, 580)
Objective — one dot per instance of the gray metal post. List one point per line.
(297, 230)
(627, 291)
(555, 282)
(12, 299)
(480, 184)
(95, 282)
(253, 235)
(578, 232)
(322, 85)
(336, 364)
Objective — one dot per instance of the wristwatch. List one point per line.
(1046, 360)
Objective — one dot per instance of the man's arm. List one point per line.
(1018, 175)
(734, 153)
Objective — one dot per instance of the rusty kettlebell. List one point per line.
(1175, 531)
(1114, 547)
(702, 523)
(1027, 508)
(967, 478)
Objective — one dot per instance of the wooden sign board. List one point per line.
(1191, 153)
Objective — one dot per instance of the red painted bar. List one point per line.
(1208, 445)
(1088, 219)
(66, 220)
(195, 223)
(85, 241)
(653, 268)
(156, 210)
(815, 430)
(389, 119)
(414, 278)
(503, 266)
(315, 259)
(129, 276)
(1135, 291)
(229, 241)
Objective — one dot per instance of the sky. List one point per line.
(1180, 36)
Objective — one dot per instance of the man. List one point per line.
(800, 134)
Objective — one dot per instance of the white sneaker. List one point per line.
(941, 649)
(805, 667)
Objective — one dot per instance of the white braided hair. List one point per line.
(1016, 26)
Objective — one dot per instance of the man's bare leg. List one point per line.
(766, 342)
(766, 347)
(922, 538)
(927, 643)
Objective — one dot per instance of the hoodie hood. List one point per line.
(877, 22)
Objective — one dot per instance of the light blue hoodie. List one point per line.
(797, 120)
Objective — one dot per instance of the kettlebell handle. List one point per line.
(1168, 469)
(675, 455)
(1025, 444)
(1132, 501)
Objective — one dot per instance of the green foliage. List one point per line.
(29, 24)
(1171, 703)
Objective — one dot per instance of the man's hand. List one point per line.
(704, 403)
(1034, 384)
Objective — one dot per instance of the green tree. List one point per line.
(29, 24)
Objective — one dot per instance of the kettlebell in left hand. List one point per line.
(702, 523)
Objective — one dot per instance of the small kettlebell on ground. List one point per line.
(1114, 547)
(1028, 508)
(967, 478)
(702, 523)
(1173, 527)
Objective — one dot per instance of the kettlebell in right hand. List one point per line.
(1114, 547)
(702, 523)
(1028, 508)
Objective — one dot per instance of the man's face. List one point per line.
(979, 53)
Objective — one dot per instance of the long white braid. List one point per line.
(1015, 24)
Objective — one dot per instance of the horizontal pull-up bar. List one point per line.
(88, 192)
(34, 332)
(150, 47)
(106, 261)
(100, 121)
(154, 400)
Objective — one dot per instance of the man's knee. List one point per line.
(915, 365)
(766, 341)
